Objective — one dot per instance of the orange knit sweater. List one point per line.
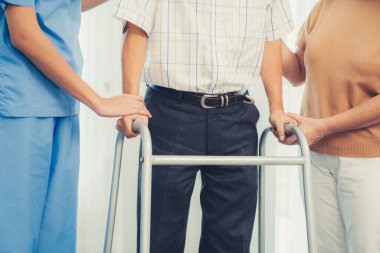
(341, 41)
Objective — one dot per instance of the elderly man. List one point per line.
(202, 57)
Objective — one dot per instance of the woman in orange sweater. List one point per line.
(338, 58)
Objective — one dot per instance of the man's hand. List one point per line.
(124, 124)
(122, 105)
(313, 129)
(278, 119)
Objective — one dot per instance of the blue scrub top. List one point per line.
(24, 90)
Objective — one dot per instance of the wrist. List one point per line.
(130, 88)
(95, 103)
(276, 109)
(325, 128)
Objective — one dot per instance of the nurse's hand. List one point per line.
(120, 106)
(124, 124)
(313, 129)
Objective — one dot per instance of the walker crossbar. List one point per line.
(148, 160)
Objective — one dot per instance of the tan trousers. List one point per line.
(347, 203)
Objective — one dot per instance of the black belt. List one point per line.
(206, 101)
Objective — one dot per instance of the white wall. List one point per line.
(101, 42)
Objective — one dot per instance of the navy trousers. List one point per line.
(228, 195)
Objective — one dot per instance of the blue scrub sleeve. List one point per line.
(26, 3)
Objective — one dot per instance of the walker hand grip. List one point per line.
(289, 128)
(137, 125)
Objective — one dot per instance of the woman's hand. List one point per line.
(120, 106)
(313, 129)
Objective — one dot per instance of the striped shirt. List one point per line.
(206, 46)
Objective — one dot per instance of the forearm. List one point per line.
(133, 58)
(89, 4)
(46, 57)
(293, 67)
(271, 74)
(33, 43)
(362, 116)
(272, 78)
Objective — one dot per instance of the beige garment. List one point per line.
(341, 41)
(346, 199)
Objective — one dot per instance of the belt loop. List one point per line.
(222, 101)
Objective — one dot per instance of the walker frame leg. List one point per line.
(261, 199)
(308, 192)
(113, 194)
(146, 191)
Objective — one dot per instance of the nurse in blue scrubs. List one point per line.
(40, 64)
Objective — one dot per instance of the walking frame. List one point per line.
(148, 160)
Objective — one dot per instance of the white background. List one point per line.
(101, 40)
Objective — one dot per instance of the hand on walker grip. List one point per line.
(124, 124)
(278, 119)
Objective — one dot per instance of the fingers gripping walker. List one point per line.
(148, 160)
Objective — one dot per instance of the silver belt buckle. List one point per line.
(203, 100)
